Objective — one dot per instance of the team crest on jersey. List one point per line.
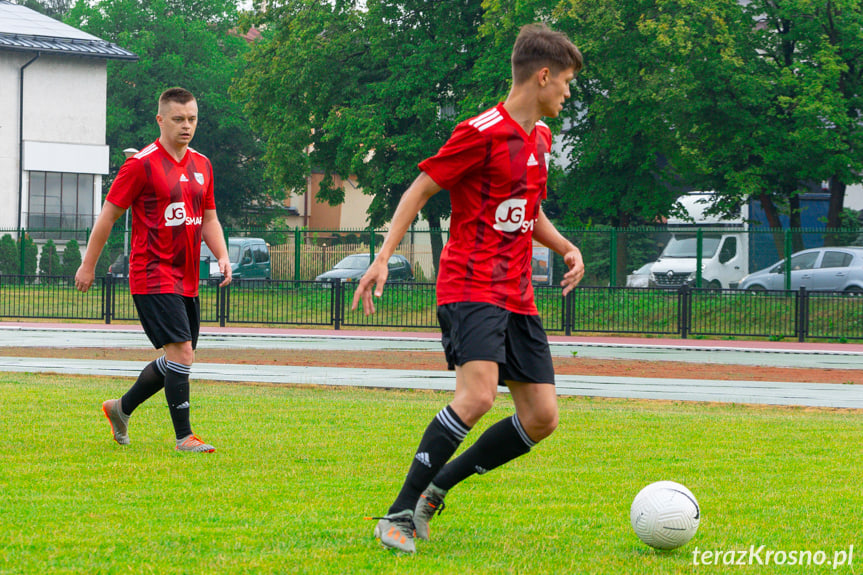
(510, 216)
(199, 177)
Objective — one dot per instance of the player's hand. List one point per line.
(575, 263)
(375, 276)
(225, 269)
(84, 278)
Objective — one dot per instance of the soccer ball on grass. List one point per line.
(665, 515)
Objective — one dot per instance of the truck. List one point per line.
(731, 247)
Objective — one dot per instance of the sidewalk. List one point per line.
(664, 386)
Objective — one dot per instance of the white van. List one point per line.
(724, 247)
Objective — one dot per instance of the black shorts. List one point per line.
(480, 331)
(169, 318)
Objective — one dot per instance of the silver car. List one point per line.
(816, 269)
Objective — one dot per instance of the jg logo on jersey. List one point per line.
(175, 215)
(510, 216)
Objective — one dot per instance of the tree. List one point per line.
(764, 112)
(49, 261)
(8, 256)
(71, 259)
(29, 254)
(361, 92)
(188, 44)
(54, 8)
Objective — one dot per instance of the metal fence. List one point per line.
(685, 312)
(610, 254)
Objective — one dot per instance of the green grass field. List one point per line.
(298, 468)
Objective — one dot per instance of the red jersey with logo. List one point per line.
(168, 199)
(496, 175)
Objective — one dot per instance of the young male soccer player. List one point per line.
(495, 166)
(169, 187)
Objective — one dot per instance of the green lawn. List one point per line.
(298, 468)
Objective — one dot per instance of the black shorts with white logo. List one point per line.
(169, 318)
(481, 331)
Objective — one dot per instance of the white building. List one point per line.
(53, 81)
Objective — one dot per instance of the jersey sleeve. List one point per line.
(128, 184)
(463, 152)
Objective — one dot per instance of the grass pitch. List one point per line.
(298, 468)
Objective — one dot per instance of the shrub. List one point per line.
(49, 262)
(71, 259)
(31, 255)
(8, 256)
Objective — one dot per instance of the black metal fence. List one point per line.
(687, 312)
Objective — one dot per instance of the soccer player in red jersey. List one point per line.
(169, 187)
(495, 167)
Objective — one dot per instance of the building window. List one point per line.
(61, 205)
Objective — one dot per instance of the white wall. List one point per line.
(64, 103)
(65, 100)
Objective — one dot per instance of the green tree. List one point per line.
(8, 256)
(363, 92)
(29, 253)
(193, 45)
(49, 261)
(71, 259)
(767, 99)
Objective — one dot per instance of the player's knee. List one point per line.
(180, 353)
(542, 424)
(471, 407)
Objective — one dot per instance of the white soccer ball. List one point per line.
(665, 515)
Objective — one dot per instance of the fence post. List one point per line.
(298, 252)
(568, 307)
(20, 252)
(684, 310)
(222, 297)
(108, 299)
(699, 255)
(336, 307)
(802, 327)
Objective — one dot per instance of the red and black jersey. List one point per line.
(496, 175)
(168, 199)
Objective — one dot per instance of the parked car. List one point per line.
(120, 267)
(354, 266)
(640, 277)
(250, 259)
(816, 269)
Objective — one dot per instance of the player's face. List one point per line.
(555, 91)
(177, 122)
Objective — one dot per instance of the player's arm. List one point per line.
(545, 233)
(412, 201)
(86, 274)
(214, 237)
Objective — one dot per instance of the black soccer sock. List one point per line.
(177, 394)
(149, 382)
(441, 438)
(502, 442)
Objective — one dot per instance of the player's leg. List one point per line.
(151, 379)
(180, 355)
(529, 374)
(476, 386)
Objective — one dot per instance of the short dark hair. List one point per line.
(539, 46)
(178, 95)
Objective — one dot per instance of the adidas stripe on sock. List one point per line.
(441, 439)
